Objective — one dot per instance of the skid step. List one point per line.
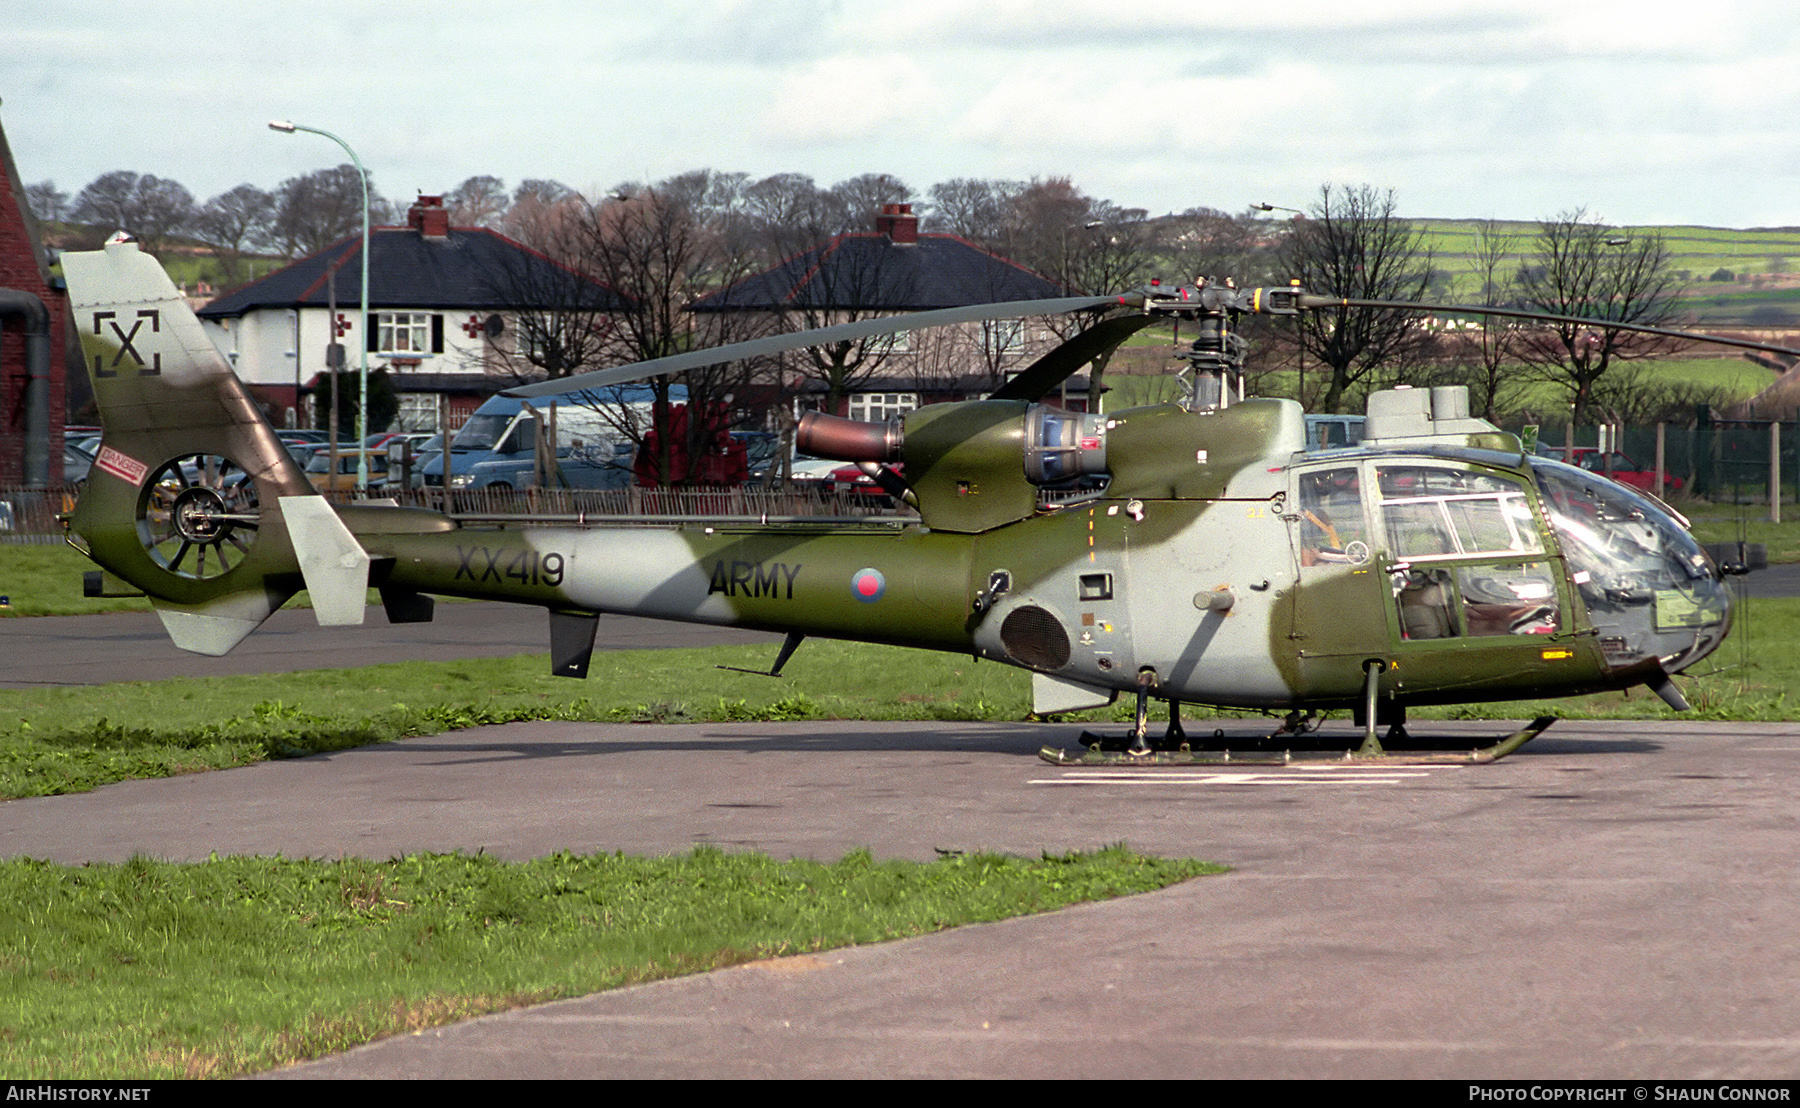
(1094, 755)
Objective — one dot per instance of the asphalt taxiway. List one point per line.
(1616, 900)
(1619, 899)
(48, 651)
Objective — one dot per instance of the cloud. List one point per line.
(864, 99)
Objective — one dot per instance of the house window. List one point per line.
(545, 337)
(1004, 337)
(879, 407)
(407, 334)
(418, 412)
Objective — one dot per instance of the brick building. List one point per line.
(34, 315)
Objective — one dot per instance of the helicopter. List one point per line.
(1193, 552)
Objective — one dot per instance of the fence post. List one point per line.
(1774, 471)
(1662, 488)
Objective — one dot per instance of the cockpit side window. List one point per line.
(1332, 528)
(1509, 599)
(1432, 512)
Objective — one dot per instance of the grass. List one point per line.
(233, 965)
(1750, 522)
(1752, 256)
(71, 739)
(45, 580)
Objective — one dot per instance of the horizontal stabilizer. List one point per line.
(334, 564)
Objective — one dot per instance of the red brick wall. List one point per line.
(20, 270)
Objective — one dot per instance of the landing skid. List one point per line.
(1102, 751)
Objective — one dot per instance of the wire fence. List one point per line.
(30, 515)
(1727, 462)
(640, 502)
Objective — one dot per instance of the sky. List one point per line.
(1638, 112)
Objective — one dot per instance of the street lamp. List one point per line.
(1274, 208)
(362, 401)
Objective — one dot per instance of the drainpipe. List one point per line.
(31, 312)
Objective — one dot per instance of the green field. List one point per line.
(1753, 299)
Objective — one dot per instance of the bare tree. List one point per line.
(976, 209)
(317, 209)
(864, 196)
(541, 190)
(828, 267)
(1208, 243)
(1584, 268)
(154, 209)
(664, 251)
(717, 201)
(1084, 244)
(1487, 350)
(233, 222)
(562, 322)
(478, 202)
(660, 247)
(1354, 246)
(48, 203)
(536, 215)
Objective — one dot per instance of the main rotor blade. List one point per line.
(1316, 301)
(1061, 363)
(842, 332)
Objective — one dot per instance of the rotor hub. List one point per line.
(197, 514)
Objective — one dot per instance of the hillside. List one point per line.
(1764, 266)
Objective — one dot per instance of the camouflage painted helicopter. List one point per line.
(1212, 559)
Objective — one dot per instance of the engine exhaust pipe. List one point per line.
(848, 440)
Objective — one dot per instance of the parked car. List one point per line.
(318, 470)
(497, 447)
(302, 444)
(808, 472)
(424, 451)
(77, 460)
(851, 479)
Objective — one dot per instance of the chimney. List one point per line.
(429, 217)
(899, 224)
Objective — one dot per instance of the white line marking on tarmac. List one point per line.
(1307, 776)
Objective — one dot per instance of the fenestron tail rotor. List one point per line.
(198, 516)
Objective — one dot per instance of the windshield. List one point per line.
(1648, 586)
(480, 433)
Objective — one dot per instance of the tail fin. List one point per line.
(182, 501)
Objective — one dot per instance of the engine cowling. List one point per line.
(973, 465)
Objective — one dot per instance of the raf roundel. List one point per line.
(868, 585)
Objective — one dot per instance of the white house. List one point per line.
(440, 297)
